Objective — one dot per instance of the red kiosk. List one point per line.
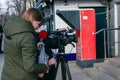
(86, 46)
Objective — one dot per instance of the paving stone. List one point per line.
(109, 69)
(1, 63)
(113, 61)
(76, 72)
(96, 74)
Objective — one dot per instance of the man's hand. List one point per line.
(40, 44)
(41, 75)
(52, 61)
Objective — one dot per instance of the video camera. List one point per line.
(58, 39)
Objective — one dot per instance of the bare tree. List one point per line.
(0, 8)
(19, 5)
(30, 3)
(3, 15)
(0, 5)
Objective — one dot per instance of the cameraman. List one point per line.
(52, 43)
(42, 56)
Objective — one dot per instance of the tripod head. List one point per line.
(61, 47)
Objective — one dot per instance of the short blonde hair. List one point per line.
(32, 14)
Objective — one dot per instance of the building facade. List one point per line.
(107, 21)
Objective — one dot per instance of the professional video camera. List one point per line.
(58, 39)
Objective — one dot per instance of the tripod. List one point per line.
(64, 64)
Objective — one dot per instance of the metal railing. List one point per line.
(106, 42)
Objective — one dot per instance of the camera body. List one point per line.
(57, 38)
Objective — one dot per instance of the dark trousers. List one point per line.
(50, 75)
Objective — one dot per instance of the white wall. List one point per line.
(59, 5)
(72, 5)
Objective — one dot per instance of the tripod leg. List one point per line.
(63, 69)
(56, 69)
(67, 68)
(68, 71)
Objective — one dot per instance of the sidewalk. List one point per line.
(76, 72)
(1, 63)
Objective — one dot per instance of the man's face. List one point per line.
(36, 24)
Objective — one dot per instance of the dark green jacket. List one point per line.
(20, 50)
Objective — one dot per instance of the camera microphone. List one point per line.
(43, 34)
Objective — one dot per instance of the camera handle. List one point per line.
(64, 65)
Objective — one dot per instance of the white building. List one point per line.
(107, 17)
